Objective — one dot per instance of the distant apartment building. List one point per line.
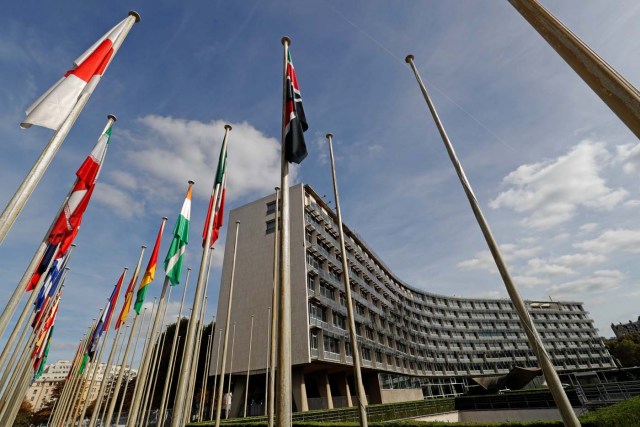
(412, 343)
(40, 392)
(622, 329)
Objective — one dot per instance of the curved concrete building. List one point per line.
(413, 343)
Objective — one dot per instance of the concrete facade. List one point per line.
(409, 339)
(622, 329)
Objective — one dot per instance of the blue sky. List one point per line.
(554, 170)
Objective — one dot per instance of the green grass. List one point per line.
(623, 414)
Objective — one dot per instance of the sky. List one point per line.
(555, 171)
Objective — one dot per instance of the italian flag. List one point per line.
(217, 206)
(55, 105)
(150, 273)
(175, 256)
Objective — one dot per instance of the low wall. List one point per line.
(404, 395)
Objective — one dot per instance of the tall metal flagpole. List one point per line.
(67, 383)
(283, 412)
(362, 397)
(167, 381)
(215, 377)
(266, 371)
(246, 385)
(183, 379)
(28, 185)
(111, 390)
(123, 365)
(618, 93)
(226, 331)
(107, 368)
(568, 416)
(233, 345)
(133, 358)
(145, 347)
(14, 300)
(203, 389)
(274, 315)
(94, 375)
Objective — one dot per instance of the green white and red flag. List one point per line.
(217, 206)
(175, 255)
(52, 108)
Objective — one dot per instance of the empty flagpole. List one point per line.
(362, 397)
(215, 377)
(207, 361)
(283, 413)
(111, 391)
(618, 93)
(564, 406)
(167, 381)
(233, 345)
(274, 316)
(246, 385)
(226, 331)
(21, 196)
(183, 379)
(266, 371)
(116, 392)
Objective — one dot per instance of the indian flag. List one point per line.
(175, 256)
(55, 105)
(150, 273)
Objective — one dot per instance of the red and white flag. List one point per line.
(54, 106)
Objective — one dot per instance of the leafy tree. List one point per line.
(626, 349)
(25, 415)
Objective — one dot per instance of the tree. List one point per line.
(626, 349)
(41, 416)
(25, 415)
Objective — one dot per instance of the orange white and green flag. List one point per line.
(175, 256)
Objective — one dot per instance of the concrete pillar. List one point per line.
(299, 390)
(325, 389)
(237, 398)
(343, 384)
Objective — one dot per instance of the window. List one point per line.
(369, 333)
(327, 291)
(331, 345)
(313, 338)
(379, 356)
(271, 226)
(271, 207)
(360, 309)
(335, 276)
(347, 348)
(308, 235)
(366, 353)
(317, 312)
(314, 262)
(311, 285)
(339, 321)
(343, 300)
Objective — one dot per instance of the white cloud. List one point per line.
(588, 227)
(178, 150)
(551, 191)
(613, 240)
(529, 281)
(580, 260)
(601, 280)
(120, 202)
(629, 156)
(540, 266)
(483, 260)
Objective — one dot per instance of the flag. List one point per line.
(217, 205)
(128, 296)
(175, 256)
(103, 323)
(54, 106)
(50, 287)
(49, 252)
(77, 202)
(41, 361)
(150, 273)
(295, 122)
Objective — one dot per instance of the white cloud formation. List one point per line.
(580, 260)
(601, 280)
(629, 156)
(551, 191)
(588, 227)
(120, 202)
(541, 266)
(483, 260)
(613, 240)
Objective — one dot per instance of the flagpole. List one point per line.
(564, 406)
(226, 331)
(105, 376)
(355, 351)
(158, 353)
(233, 346)
(133, 358)
(203, 389)
(94, 375)
(182, 390)
(116, 392)
(612, 88)
(14, 300)
(111, 391)
(167, 381)
(274, 316)
(215, 377)
(67, 384)
(28, 185)
(146, 358)
(207, 373)
(283, 413)
(266, 372)
(246, 386)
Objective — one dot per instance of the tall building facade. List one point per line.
(622, 329)
(412, 343)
